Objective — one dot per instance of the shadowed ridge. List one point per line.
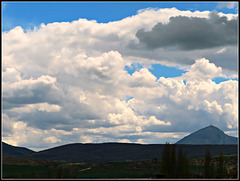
(15, 151)
(208, 135)
(115, 152)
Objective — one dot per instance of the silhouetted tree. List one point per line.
(179, 172)
(168, 165)
(165, 159)
(185, 167)
(208, 167)
(221, 169)
(182, 166)
(173, 160)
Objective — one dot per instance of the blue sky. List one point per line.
(129, 76)
(30, 14)
(158, 70)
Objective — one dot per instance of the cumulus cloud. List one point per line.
(190, 33)
(32, 138)
(143, 78)
(66, 40)
(142, 119)
(70, 84)
(203, 69)
(213, 106)
(29, 91)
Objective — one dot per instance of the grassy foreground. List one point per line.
(30, 168)
(139, 169)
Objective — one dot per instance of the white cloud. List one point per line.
(203, 69)
(70, 85)
(153, 121)
(213, 106)
(129, 117)
(11, 75)
(7, 124)
(221, 51)
(125, 141)
(143, 78)
(51, 139)
(37, 107)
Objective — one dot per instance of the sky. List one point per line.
(132, 72)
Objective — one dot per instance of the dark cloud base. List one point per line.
(191, 33)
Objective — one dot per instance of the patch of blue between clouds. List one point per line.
(157, 70)
(218, 80)
(127, 98)
(134, 67)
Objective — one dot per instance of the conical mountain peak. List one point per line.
(208, 135)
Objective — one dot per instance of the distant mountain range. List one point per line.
(112, 152)
(208, 135)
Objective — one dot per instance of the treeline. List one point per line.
(209, 168)
(177, 165)
(172, 166)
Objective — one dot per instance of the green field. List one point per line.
(28, 171)
(128, 169)
(140, 169)
(143, 169)
(217, 156)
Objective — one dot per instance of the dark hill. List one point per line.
(14, 151)
(208, 135)
(102, 152)
(112, 152)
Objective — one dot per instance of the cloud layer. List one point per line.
(190, 33)
(67, 82)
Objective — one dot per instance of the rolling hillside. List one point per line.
(15, 151)
(112, 152)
